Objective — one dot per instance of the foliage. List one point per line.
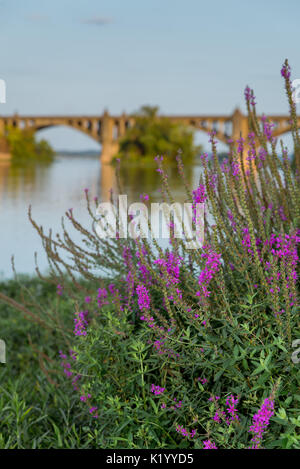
(35, 411)
(25, 148)
(190, 348)
(153, 135)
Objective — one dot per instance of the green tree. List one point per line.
(25, 148)
(152, 135)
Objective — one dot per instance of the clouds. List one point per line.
(97, 21)
(93, 20)
(38, 18)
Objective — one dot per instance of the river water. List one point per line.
(52, 190)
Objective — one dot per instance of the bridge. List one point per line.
(108, 130)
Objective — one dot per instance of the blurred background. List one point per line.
(66, 58)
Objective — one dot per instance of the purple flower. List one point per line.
(184, 432)
(208, 444)
(286, 71)
(212, 266)
(267, 128)
(102, 297)
(240, 142)
(171, 264)
(93, 412)
(231, 403)
(143, 297)
(249, 96)
(204, 156)
(261, 421)
(235, 166)
(199, 196)
(157, 390)
(81, 323)
(232, 220)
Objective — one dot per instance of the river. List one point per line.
(52, 190)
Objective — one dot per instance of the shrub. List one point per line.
(151, 135)
(25, 149)
(192, 348)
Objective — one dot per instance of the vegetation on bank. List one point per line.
(154, 135)
(26, 149)
(37, 410)
(174, 348)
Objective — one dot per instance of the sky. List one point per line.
(68, 57)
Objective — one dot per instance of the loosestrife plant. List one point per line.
(192, 348)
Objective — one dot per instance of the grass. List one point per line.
(35, 413)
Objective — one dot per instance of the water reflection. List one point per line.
(15, 180)
(106, 183)
(4, 172)
(51, 190)
(137, 179)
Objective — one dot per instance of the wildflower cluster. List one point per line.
(81, 323)
(261, 421)
(215, 324)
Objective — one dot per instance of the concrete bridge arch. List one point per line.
(107, 129)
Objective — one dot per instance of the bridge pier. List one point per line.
(109, 139)
(240, 128)
(109, 149)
